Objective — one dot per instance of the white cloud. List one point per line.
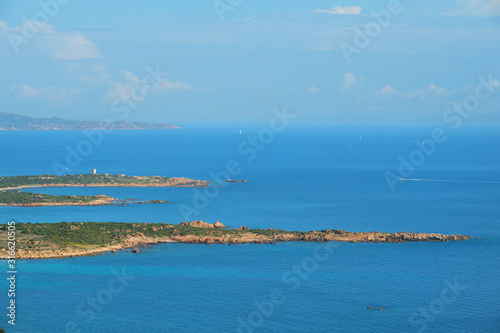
(63, 46)
(131, 78)
(87, 72)
(118, 90)
(349, 81)
(433, 89)
(313, 89)
(122, 90)
(430, 91)
(75, 47)
(51, 93)
(3, 27)
(388, 90)
(26, 91)
(84, 79)
(177, 85)
(494, 83)
(476, 8)
(340, 10)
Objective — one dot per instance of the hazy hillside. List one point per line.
(9, 121)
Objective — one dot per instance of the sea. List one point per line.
(302, 177)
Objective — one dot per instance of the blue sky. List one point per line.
(237, 63)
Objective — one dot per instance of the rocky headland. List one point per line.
(10, 196)
(50, 240)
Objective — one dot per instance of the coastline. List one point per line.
(176, 182)
(103, 200)
(133, 181)
(136, 235)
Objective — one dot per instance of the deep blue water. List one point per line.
(308, 177)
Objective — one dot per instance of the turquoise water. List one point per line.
(308, 177)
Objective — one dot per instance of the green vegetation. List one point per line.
(26, 198)
(106, 233)
(81, 180)
(53, 240)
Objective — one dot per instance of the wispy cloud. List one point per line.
(430, 91)
(75, 47)
(123, 89)
(166, 85)
(340, 10)
(118, 90)
(3, 27)
(51, 93)
(494, 82)
(87, 72)
(313, 89)
(349, 82)
(475, 8)
(388, 90)
(63, 46)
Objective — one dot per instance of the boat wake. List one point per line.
(451, 180)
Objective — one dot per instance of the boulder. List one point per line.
(218, 225)
(242, 228)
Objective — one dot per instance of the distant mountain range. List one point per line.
(9, 121)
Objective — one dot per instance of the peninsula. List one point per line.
(59, 240)
(9, 197)
(27, 199)
(10, 121)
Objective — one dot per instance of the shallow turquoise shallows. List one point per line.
(304, 178)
